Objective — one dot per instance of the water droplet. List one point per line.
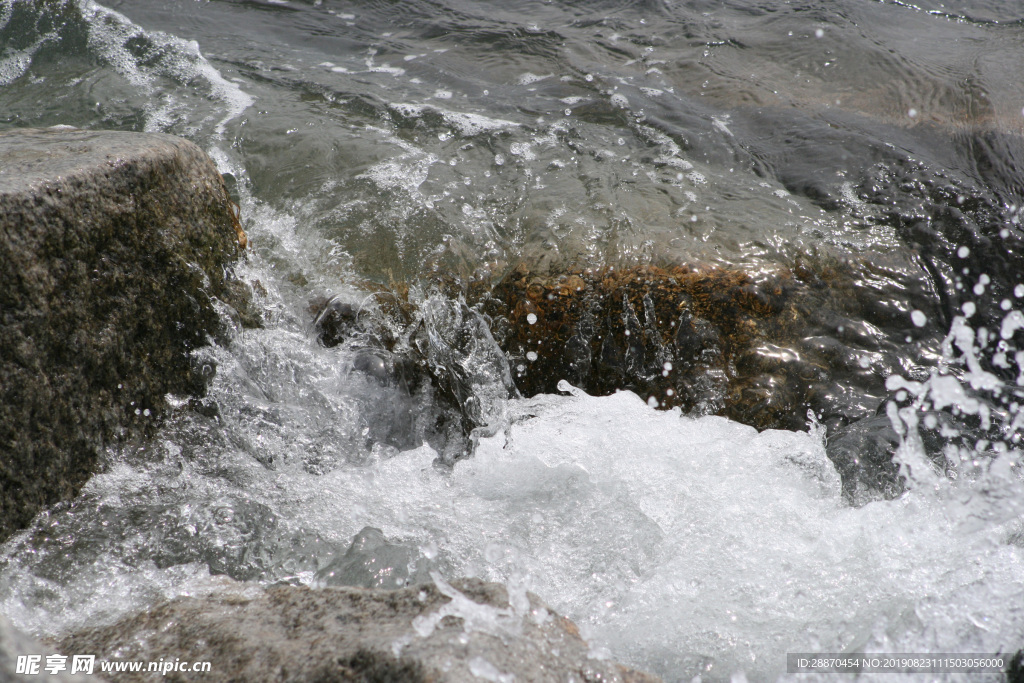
(531, 356)
(919, 318)
(963, 252)
(531, 318)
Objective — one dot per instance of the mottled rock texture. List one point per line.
(466, 631)
(112, 246)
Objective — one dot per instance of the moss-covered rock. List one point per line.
(711, 339)
(112, 246)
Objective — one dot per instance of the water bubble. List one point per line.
(912, 113)
(531, 318)
(531, 356)
(963, 252)
(819, 33)
(919, 319)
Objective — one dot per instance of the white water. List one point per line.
(684, 546)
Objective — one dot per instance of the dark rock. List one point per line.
(336, 320)
(464, 631)
(709, 339)
(112, 246)
(862, 454)
(1015, 670)
(439, 375)
(761, 348)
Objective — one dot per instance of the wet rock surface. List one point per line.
(444, 378)
(468, 630)
(762, 348)
(113, 248)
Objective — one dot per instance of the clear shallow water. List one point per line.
(387, 142)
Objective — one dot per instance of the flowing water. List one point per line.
(396, 142)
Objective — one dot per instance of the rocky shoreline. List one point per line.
(118, 249)
(117, 252)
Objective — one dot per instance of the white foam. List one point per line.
(109, 35)
(528, 78)
(466, 124)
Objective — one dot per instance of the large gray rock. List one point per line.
(466, 631)
(111, 247)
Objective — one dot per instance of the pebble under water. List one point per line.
(377, 147)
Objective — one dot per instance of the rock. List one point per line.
(1015, 669)
(440, 377)
(14, 644)
(468, 630)
(112, 246)
(761, 348)
(709, 339)
(862, 454)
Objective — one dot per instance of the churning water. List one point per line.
(393, 142)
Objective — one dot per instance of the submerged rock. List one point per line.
(760, 348)
(464, 631)
(112, 248)
(439, 375)
(374, 562)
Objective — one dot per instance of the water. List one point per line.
(399, 143)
